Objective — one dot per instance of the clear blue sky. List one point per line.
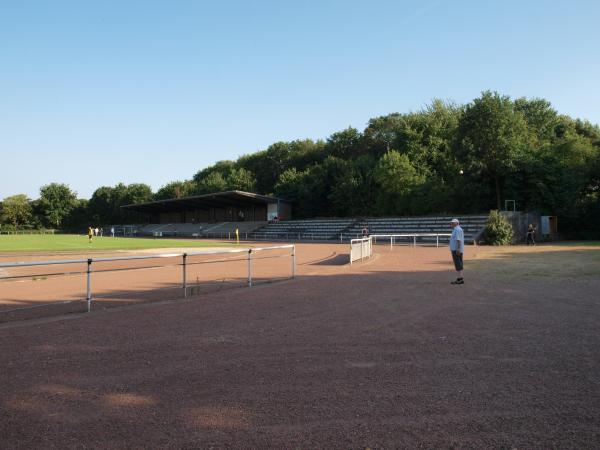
(96, 93)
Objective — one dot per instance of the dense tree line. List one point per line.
(446, 158)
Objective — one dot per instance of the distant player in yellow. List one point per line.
(237, 235)
(90, 234)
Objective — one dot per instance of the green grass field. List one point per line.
(70, 242)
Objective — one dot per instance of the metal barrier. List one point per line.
(360, 249)
(184, 264)
(414, 236)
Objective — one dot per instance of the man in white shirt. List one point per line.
(457, 248)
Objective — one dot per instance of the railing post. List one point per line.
(437, 240)
(391, 242)
(414, 240)
(89, 285)
(184, 276)
(294, 261)
(249, 267)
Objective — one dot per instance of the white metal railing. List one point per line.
(272, 236)
(360, 249)
(7, 232)
(184, 264)
(414, 236)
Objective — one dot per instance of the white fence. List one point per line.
(87, 268)
(398, 238)
(360, 249)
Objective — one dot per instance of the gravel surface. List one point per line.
(386, 354)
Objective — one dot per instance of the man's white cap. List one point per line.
(454, 221)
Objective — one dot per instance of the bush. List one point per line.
(498, 230)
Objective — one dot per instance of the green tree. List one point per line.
(133, 193)
(382, 132)
(540, 117)
(296, 186)
(78, 218)
(213, 182)
(354, 190)
(223, 176)
(105, 205)
(345, 144)
(16, 210)
(309, 189)
(176, 189)
(288, 185)
(427, 138)
(305, 153)
(241, 180)
(268, 165)
(222, 167)
(128, 195)
(397, 179)
(56, 203)
(492, 137)
(101, 206)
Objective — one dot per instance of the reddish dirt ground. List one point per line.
(383, 354)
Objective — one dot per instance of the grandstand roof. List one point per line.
(205, 201)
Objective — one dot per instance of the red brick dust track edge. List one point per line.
(385, 354)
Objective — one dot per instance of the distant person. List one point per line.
(90, 234)
(101, 231)
(531, 234)
(96, 231)
(365, 232)
(457, 248)
(112, 231)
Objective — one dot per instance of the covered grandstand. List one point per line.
(229, 206)
(216, 213)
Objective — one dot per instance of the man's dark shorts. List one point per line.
(458, 260)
